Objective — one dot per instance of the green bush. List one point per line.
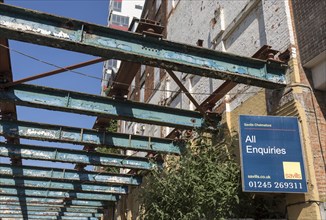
(204, 183)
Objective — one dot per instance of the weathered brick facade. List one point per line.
(310, 24)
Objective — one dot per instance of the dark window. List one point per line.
(120, 20)
(116, 6)
(139, 7)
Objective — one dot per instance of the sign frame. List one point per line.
(275, 163)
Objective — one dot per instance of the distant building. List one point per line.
(121, 15)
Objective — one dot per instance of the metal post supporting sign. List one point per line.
(271, 155)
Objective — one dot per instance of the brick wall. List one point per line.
(317, 134)
(310, 24)
(255, 105)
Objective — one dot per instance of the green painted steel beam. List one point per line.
(49, 213)
(69, 101)
(50, 184)
(52, 201)
(48, 208)
(56, 194)
(44, 29)
(33, 206)
(65, 134)
(67, 175)
(75, 156)
(30, 217)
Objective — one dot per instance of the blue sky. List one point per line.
(94, 11)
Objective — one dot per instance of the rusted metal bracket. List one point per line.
(265, 52)
(185, 90)
(150, 28)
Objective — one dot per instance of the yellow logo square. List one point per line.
(292, 170)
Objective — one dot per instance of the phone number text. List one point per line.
(275, 185)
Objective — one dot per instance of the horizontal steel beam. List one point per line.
(48, 208)
(69, 101)
(67, 175)
(50, 184)
(44, 29)
(74, 156)
(49, 213)
(31, 217)
(64, 134)
(52, 201)
(56, 194)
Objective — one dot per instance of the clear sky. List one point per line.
(94, 11)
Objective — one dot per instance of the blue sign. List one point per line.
(271, 155)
